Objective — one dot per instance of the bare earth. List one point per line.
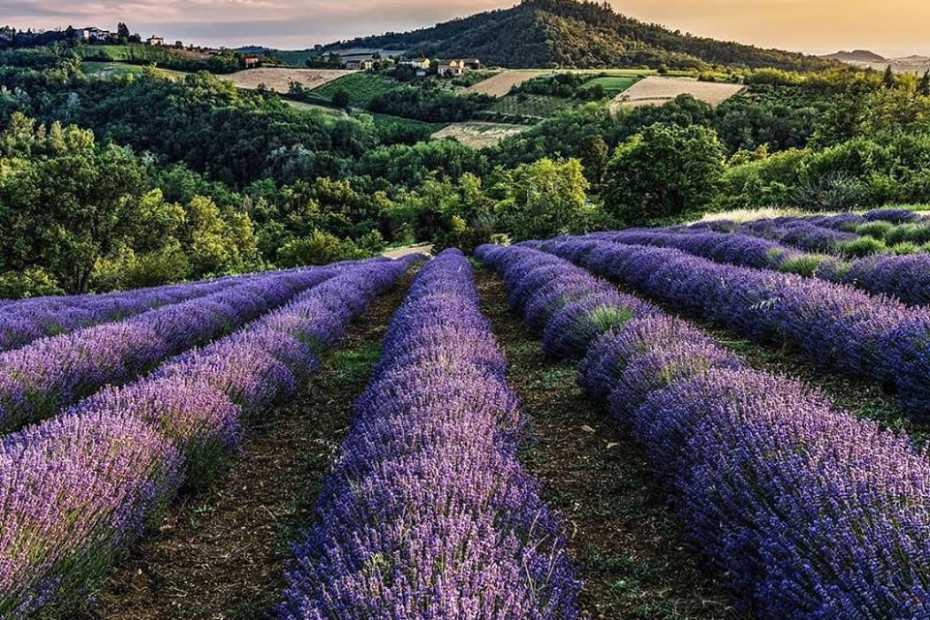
(479, 135)
(279, 80)
(658, 90)
(500, 84)
(426, 248)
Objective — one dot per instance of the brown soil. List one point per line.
(221, 554)
(500, 84)
(629, 546)
(279, 80)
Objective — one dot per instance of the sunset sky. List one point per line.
(893, 27)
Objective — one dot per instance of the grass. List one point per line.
(613, 85)
(524, 106)
(392, 123)
(312, 107)
(108, 70)
(362, 87)
(125, 53)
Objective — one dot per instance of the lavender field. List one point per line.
(718, 420)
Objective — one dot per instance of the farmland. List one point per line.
(529, 107)
(658, 90)
(477, 134)
(613, 85)
(685, 366)
(639, 331)
(500, 84)
(361, 87)
(279, 80)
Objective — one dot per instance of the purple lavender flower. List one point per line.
(427, 514)
(803, 510)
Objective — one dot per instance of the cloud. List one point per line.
(794, 24)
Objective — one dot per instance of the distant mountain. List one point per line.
(544, 33)
(857, 56)
(864, 59)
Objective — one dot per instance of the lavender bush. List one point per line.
(833, 326)
(79, 488)
(427, 513)
(39, 379)
(30, 319)
(906, 278)
(802, 510)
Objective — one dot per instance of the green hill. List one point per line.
(543, 33)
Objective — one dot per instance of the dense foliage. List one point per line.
(544, 33)
(431, 105)
(235, 180)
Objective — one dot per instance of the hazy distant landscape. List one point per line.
(540, 312)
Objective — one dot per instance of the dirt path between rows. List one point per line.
(220, 554)
(629, 546)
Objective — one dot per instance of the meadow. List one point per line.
(301, 417)
(362, 88)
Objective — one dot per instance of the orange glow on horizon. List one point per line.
(892, 28)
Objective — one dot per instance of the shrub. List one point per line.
(913, 233)
(876, 230)
(864, 246)
(34, 282)
(806, 265)
(320, 248)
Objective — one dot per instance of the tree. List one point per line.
(123, 33)
(544, 199)
(70, 207)
(665, 171)
(341, 99)
(593, 153)
(923, 86)
(888, 80)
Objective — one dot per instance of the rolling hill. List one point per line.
(857, 56)
(544, 33)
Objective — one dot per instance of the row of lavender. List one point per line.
(816, 233)
(801, 509)
(833, 326)
(427, 513)
(37, 380)
(77, 489)
(22, 322)
(904, 277)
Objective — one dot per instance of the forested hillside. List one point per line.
(543, 33)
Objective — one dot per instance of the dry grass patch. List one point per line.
(279, 80)
(658, 90)
(500, 84)
(479, 135)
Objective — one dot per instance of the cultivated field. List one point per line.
(613, 85)
(658, 90)
(500, 84)
(109, 70)
(477, 134)
(217, 466)
(362, 87)
(523, 106)
(310, 107)
(279, 80)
